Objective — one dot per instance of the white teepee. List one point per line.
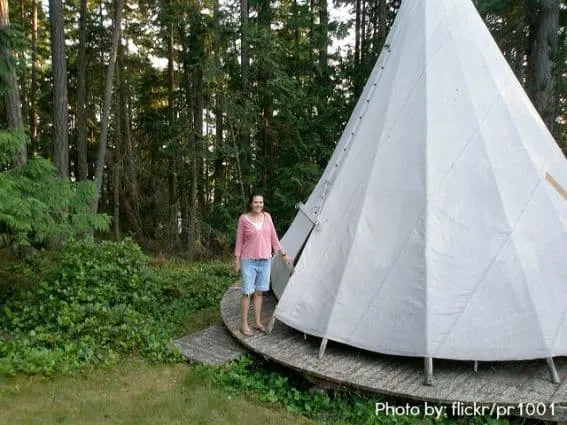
(438, 229)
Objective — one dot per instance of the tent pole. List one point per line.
(428, 371)
(271, 325)
(475, 368)
(553, 371)
(322, 348)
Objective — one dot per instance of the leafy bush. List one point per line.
(36, 206)
(274, 384)
(190, 288)
(102, 301)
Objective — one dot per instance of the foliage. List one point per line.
(275, 131)
(191, 288)
(10, 142)
(272, 384)
(36, 206)
(99, 303)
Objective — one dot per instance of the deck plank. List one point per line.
(495, 383)
(212, 346)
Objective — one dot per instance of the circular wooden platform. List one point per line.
(496, 389)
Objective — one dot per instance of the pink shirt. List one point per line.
(254, 243)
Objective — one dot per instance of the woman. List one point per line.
(256, 240)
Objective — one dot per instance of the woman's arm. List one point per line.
(238, 244)
(276, 245)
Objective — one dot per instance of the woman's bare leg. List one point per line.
(244, 307)
(258, 296)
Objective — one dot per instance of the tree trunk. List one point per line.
(197, 133)
(363, 37)
(218, 173)
(60, 113)
(264, 78)
(116, 198)
(107, 104)
(131, 198)
(545, 52)
(23, 70)
(382, 20)
(531, 22)
(357, 52)
(219, 168)
(33, 84)
(244, 134)
(10, 82)
(117, 166)
(82, 160)
(323, 41)
(192, 229)
(172, 172)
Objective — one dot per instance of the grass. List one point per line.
(136, 392)
(132, 393)
(201, 320)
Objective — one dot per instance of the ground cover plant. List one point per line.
(93, 303)
(270, 383)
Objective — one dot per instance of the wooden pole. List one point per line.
(322, 348)
(271, 325)
(428, 371)
(553, 371)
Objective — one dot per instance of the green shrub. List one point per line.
(100, 302)
(37, 207)
(274, 384)
(190, 289)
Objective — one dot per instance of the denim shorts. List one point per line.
(255, 275)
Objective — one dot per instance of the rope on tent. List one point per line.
(428, 371)
(553, 371)
(322, 348)
(556, 185)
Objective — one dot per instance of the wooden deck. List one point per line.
(212, 346)
(520, 387)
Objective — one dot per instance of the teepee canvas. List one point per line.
(438, 229)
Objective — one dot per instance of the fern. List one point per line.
(36, 206)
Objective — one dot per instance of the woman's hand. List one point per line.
(236, 265)
(287, 259)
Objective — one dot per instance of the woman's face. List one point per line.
(257, 204)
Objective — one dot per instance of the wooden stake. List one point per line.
(428, 371)
(322, 348)
(271, 325)
(553, 371)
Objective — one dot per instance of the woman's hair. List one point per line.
(250, 199)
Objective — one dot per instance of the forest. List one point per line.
(131, 134)
(155, 119)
